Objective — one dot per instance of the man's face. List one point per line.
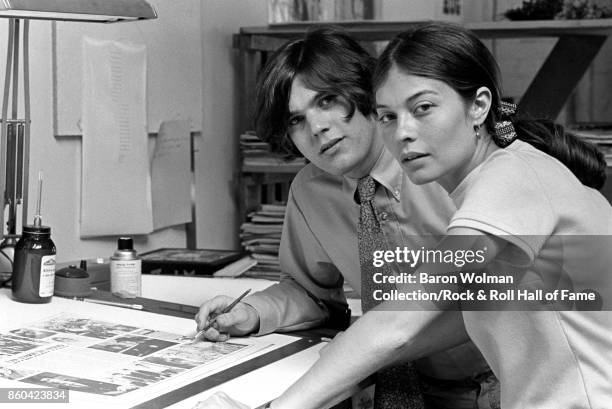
(319, 128)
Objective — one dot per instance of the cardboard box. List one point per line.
(420, 10)
(287, 11)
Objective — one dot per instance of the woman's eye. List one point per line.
(423, 108)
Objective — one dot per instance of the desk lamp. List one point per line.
(15, 131)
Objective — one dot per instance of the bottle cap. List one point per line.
(32, 229)
(125, 243)
(72, 282)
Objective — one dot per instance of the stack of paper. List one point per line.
(251, 145)
(256, 154)
(261, 237)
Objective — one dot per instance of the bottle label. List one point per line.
(126, 277)
(47, 276)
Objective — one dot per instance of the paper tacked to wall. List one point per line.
(171, 175)
(116, 185)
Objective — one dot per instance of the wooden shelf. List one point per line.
(290, 168)
(269, 38)
(578, 43)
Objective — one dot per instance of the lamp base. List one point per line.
(7, 254)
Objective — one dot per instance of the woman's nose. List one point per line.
(404, 131)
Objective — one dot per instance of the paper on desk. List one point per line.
(116, 185)
(171, 175)
(87, 351)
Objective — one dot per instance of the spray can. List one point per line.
(126, 270)
(34, 265)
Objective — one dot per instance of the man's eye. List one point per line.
(293, 121)
(327, 100)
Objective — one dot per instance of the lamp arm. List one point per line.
(25, 168)
(4, 127)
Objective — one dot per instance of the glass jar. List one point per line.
(34, 266)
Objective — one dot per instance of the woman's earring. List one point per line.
(477, 130)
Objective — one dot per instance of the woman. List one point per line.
(439, 104)
(525, 193)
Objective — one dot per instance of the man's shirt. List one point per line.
(319, 250)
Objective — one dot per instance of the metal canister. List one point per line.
(126, 270)
(34, 265)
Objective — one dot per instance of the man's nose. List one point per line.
(319, 124)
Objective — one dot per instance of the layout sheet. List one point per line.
(115, 178)
(101, 358)
(171, 176)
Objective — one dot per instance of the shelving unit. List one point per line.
(286, 168)
(578, 43)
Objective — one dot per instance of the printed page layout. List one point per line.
(111, 361)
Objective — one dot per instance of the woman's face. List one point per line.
(427, 126)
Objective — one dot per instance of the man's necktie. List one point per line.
(396, 387)
(370, 238)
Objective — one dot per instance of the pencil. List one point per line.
(114, 304)
(224, 311)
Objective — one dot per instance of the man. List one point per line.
(315, 99)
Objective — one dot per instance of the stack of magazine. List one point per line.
(256, 154)
(252, 146)
(260, 236)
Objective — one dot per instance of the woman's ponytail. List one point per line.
(585, 161)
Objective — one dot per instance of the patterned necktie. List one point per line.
(396, 387)
(370, 238)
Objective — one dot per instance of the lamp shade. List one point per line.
(104, 11)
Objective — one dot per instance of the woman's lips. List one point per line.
(411, 156)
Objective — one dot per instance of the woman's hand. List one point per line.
(220, 400)
(327, 341)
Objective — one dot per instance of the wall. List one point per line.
(60, 157)
(217, 162)
(212, 77)
(520, 59)
(592, 101)
(174, 60)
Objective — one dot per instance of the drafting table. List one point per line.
(272, 371)
(195, 290)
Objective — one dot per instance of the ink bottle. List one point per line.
(34, 265)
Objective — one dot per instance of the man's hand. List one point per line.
(241, 320)
(220, 400)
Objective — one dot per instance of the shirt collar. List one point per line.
(386, 171)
